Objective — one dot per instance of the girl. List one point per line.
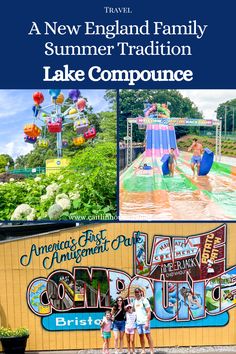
(118, 316)
(130, 326)
(106, 331)
(172, 161)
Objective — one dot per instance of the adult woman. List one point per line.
(118, 316)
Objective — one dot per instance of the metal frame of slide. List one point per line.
(174, 122)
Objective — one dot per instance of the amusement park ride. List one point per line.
(52, 120)
(160, 131)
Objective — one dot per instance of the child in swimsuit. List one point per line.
(172, 161)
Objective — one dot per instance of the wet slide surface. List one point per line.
(147, 194)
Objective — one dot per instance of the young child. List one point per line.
(172, 161)
(106, 331)
(130, 326)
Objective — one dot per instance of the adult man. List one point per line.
(143, 313)
(196, 158)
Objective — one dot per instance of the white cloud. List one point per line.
(207, 101)
(16, 147)
(13, 102)
(96, 100)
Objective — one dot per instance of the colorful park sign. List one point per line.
(65, 280)
(176, 121)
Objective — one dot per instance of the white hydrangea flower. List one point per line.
(54, 212)
(11, 179)
(37, 179)
(32, 215)
(63, 200)
(44, 197)
(61, 196)
(52, 188)
(74, 195)
(50, 193)
(23, 212)
(64, 203)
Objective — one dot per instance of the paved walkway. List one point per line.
(172, 350)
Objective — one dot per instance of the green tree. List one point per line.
(227, 109)
(111, 97)
(108, 126)
(96, 167)
(3, 163)
(9, 160)
(21, 161)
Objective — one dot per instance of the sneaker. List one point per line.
(143, 352)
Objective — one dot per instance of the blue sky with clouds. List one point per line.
(16, 111)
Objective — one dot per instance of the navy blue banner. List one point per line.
(118, 44)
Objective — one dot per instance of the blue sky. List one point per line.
(16, 111)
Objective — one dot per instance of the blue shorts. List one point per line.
(142, 330)
(196, 159)
(119, 326)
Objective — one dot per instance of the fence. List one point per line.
(28, 172)
(123, 155)
(212, 133)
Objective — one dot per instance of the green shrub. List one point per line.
(18, 332)
(89, 182)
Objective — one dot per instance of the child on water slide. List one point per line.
(171, 162)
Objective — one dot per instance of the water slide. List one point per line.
(159, 139)
(147, 194)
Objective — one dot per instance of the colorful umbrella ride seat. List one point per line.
(65, 143)
(90, 133)
(79, 140)
(32, 130)
(30, 140)
(81, 125)
(55, 126)
(43, 143)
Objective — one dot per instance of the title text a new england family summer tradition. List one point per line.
(116, 39)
